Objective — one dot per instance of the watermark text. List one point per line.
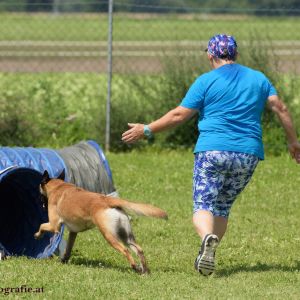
(20, 289)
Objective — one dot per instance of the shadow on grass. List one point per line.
(125, 268)
(99, 264)
(258, 267)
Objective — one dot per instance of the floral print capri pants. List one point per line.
(219, 177)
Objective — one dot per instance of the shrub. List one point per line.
(50, 110)
(13, 111)
(56, 110)
(166, 92)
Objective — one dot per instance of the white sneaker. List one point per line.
(205, 261)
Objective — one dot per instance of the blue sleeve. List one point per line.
(272, 90)
(195, 96)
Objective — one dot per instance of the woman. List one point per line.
(230, 100)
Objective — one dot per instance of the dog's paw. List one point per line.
(64, 260)
(38, 236)
(142, 270)
(145, 271)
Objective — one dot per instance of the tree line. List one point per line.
(155, 6)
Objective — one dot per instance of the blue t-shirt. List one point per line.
(230, 100)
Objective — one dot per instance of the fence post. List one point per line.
(56, 7)
(109, 75)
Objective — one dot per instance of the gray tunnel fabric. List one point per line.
(84, 169)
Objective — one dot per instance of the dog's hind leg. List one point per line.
(115, 243)
(108, 231)
(71, 240)
(125, 234)
(139, 252)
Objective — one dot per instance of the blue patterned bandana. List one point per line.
(222, 46)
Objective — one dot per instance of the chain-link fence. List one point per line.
(72, 36)
(56, 40)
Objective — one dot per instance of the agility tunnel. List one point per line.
(21, 209)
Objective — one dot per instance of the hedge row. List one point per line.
(55, 110)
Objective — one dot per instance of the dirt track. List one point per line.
(128, 57)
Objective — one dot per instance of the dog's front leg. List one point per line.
(47, 227)
(70, 244)
(44, 227)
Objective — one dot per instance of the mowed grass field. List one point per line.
(258, 258)
(143, 27)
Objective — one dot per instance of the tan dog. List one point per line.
(81, 210)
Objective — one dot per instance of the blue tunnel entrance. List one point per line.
(21, 210)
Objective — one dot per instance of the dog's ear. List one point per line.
(62, 175)
(45, 177)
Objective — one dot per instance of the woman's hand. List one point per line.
(133, 134)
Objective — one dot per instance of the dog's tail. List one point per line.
(141, 209)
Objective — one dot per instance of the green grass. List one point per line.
(92, 27)
(258, 258)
